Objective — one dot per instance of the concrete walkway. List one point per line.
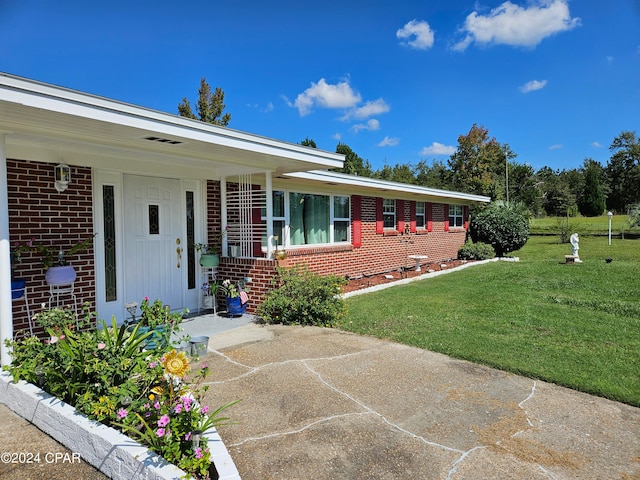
(324, 404)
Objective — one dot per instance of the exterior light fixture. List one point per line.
(610, 215)
(196, 438)
(62, 177)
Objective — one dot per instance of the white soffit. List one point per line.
(380, 187)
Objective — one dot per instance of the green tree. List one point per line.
(436, 175)
(524, 187)
(592, 200)
(623, 171)
(557, 199)
(308, 142)
(503, 226)
(209, 107)
(353, 163)
(478, 166)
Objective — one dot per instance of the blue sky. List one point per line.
(398, 81)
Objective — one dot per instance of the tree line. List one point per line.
(481, 165)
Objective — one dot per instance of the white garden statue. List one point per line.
(575, 246)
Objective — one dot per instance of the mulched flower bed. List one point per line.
(379, 279)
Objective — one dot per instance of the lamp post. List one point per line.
(609, 214)
(506, 173)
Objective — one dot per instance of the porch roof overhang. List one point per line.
(50, 123)
(382, 188)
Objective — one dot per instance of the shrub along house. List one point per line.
(151, 185)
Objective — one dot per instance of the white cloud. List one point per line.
(337, 136)
(418, 35)
(325, 95)
(557, 146)
(438, 149)
(533, 85)
(510, 24)
(369, 109)
(372, 125)
(389, 142)
(596, 145)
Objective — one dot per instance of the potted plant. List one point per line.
(17, 284)
(58, 271)
(158, 318)
(236, 297)
(209, 252)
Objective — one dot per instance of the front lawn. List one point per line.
(574, 325)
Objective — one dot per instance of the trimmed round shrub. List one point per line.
(504, 227)
(476, 251)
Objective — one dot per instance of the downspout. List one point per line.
(269, 208)
(6, 313)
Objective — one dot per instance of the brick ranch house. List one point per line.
(151, 185)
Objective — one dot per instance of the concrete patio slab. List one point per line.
(324, 404)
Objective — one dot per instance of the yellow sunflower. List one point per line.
(176, 363)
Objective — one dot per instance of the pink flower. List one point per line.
(198, 452)
(178, 408)
(146, 297)
(122, 413)
(53, 339)
(204, 365)
(160, 432)
(102, 346)
(146, 406)
(61, 337)
(187, 437)
(205, 409)
(152, 365)
(156, 405)
(164, 421)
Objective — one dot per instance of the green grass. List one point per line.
(584, 225)
(574, 325)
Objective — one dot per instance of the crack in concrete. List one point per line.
(299, 430)
(368, 410)
(385, 419)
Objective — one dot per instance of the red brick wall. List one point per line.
(37, 211)
(384, 252)
(378, 253)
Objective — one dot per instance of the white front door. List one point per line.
(153, 244)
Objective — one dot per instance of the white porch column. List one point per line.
(223, 215)
(269, 208)
(6, 314)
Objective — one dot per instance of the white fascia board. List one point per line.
(383, 185)
(61, 100)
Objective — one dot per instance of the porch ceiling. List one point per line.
(44, 122)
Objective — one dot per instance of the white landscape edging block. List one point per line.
(111, 452)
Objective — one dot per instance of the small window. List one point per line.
(341, 220)
(420, 215)
(154, 219)
(456, 216)
(389, 213)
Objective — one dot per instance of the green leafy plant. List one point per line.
(228, 288)
(476, 251)
(215, 238)
(172, 417)
(504, 226)
(52, 255)
(301, 297)
(108, 375)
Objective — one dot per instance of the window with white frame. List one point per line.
(456, 216)
(421, 216)
(309, 219)
(389, 213)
